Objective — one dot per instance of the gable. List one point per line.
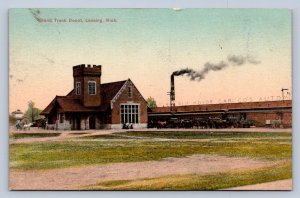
(124, 91)
(49, 108)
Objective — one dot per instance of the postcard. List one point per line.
(150, 99)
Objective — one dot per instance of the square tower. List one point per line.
(87, 82)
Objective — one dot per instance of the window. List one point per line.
(92, 87)
(78, 88)
(129, 91)
(130, 113)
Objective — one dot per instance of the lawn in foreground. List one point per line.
(201, 134)
(49, 155)
(191, 135)
(32, 135)
(197, 182)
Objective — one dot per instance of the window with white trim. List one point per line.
(130, 113)
(78, 88)
(92, 87)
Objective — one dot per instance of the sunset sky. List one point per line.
(147, 45)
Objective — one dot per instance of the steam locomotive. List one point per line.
(208, 122)
(212, 119)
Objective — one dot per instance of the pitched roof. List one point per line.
(17, 112)
(48, 109)
(109, 90)
(69, 103)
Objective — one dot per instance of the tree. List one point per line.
(32, 112)
(151, 102)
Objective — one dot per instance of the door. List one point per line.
(92, 122)
(76, 123)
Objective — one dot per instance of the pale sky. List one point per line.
(147, 45)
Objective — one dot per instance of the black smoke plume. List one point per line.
(232, 60)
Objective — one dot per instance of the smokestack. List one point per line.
(172, 92)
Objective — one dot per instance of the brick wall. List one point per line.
(124, 98)
(84, 74)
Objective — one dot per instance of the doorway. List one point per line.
(92, 122)
(75, 123)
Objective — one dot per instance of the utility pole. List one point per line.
(282, 91)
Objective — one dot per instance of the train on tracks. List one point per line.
(222, 120)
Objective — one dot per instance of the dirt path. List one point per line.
(72, 178)
(286, 184)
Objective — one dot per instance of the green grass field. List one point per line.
(202, 135)
(48, 155)
(197, 182)
(32, 135)
(190, 135)
(83, 151)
